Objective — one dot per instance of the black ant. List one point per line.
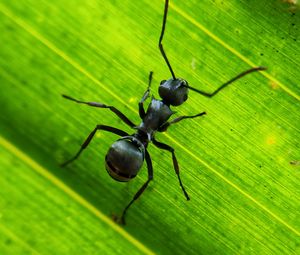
(125, 157)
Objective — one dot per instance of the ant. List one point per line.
(125, 157)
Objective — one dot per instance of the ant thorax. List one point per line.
(157, 114)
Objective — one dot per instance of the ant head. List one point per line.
(125, 158)
(173, 91)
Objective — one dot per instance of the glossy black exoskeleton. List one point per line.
(125, 157)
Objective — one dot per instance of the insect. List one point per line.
(125, 156)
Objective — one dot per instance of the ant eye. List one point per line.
(183, 83)
(162, 82)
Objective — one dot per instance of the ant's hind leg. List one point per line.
(175, 163)
(100, 105)
(90, 137)
(165, 126)
(142, 189)
(145, 96)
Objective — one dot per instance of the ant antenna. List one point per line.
(254, 69)
(161, 38)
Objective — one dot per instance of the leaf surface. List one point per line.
(235, 161)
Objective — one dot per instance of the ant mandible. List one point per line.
(125, 157)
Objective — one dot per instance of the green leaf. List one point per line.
(235, 162)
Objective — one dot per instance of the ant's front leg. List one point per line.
(165, 126)
(145, 96)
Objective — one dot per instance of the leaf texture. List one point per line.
(235, 161)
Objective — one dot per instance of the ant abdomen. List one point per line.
(124, 159)
(173, 91)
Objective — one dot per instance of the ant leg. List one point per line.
(165, 126)
(145, 96)
(175, 163)
(90, 137)
(100, 105)
(142, 189)
(254, 69)
(161, 38)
